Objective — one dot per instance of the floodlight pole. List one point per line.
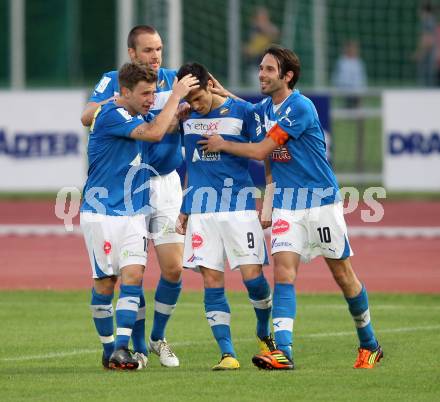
(234, 43)
(125, 13)
(17, 57)
(319, 43)
(175, 38)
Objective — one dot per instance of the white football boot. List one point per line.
(166, 356)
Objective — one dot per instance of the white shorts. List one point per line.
(212, 237)
(166, 200)
(114, 242)
(311, 232)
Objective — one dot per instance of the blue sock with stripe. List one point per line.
(165, 299)
(218, 315)
(283, 316)
(260, 297)
(138, 334)
(360, 312)
(126, 313)
(102, 312)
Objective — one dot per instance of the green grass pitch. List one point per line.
(49, 352)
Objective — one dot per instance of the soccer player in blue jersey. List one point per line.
(223, 222)
(145, 46)
(114, 205)
(307, 218)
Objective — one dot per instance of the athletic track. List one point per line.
(399, 254)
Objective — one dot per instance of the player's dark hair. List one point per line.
(132, 73)
(136, 31)
(197, 70)
(287, 61)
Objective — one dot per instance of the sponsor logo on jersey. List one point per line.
(107, 247)
(280, 226)
(281, 154)
(206, 156)
(210, 156)
(124, 113)
(276, 243)
(240, 253)
(193, 258)
(129, 253)
(207, 128)
(161, 84)
(102, 84)
(196, 240)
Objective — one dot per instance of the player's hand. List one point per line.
(186, 84)
(218, 88)
(181, 223)
(183, 111)
(265, 223)
(212, 143)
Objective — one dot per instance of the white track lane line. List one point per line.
(242, 340)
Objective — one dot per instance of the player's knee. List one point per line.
(284, 274)
(105, 286)
(172, 272)
(132, 277)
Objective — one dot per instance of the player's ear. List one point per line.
(288, 76)
(131, 54)
(124, 91)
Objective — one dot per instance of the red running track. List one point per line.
(384, 265)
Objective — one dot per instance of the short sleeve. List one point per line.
(104, 89)
(120, 123)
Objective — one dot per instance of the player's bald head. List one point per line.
(139, 30)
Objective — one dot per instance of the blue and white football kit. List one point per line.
(113, 208)
(220, 196)
(164, 156)
(223, 222)
(308, 215)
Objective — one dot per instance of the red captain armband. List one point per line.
(278, 135)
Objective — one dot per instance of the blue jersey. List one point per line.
(116, 181)
(165, 155)
(300, 168)
(220, 181)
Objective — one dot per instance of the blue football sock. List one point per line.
(261, 299)
(165, 299)
(218, 315)
(138, 334)
(360, 312)
(102, 312)
(126, 313)
(283, 315)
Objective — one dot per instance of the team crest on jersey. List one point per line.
(161, 84)
(280, 226)
(196, 240)
(281, 154)
(224, 110)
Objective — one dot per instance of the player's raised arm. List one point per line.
(156, 129)
(259, 151)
